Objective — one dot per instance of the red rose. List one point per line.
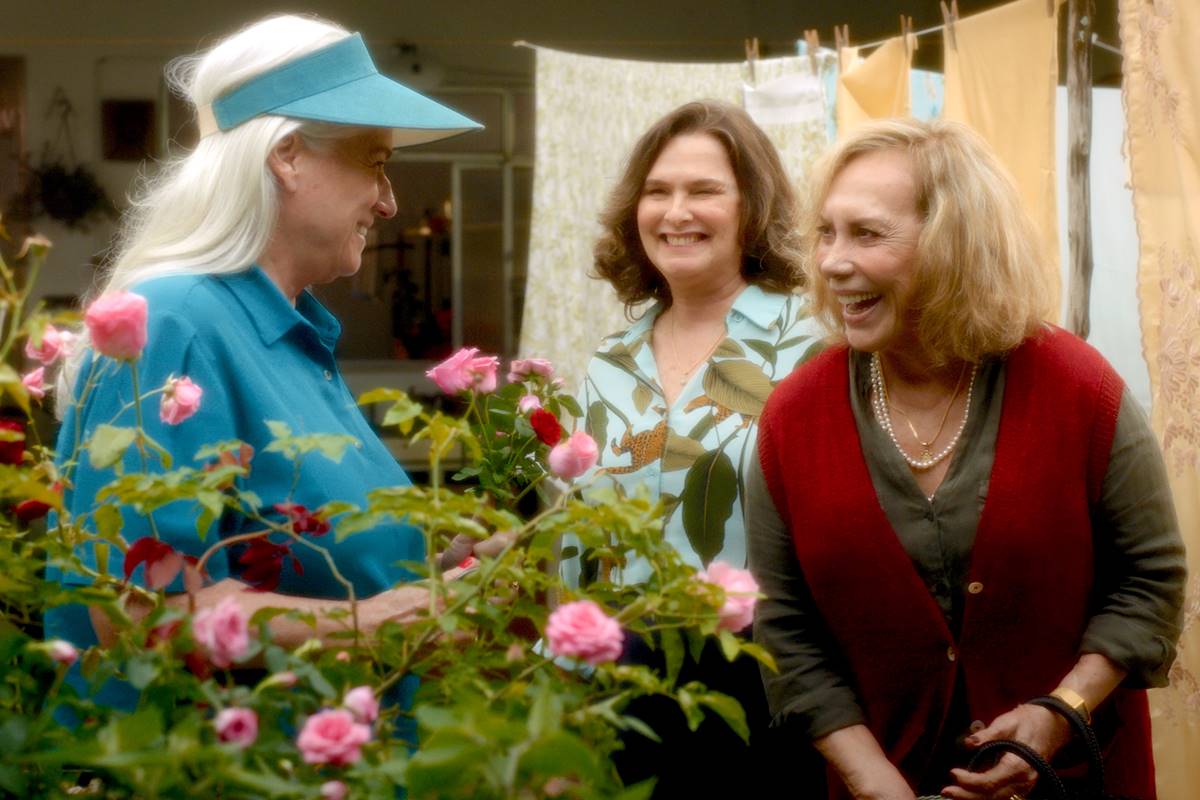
(546, 426)
(263, 562)
(11, 452)
(303, 520)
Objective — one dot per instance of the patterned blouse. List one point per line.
(694, 453)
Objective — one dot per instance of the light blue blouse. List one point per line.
(695, 452)
(257, 358)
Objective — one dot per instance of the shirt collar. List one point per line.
(271, 313)
(753, 304)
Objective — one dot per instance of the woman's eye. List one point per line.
(654, 191)
(824, 231)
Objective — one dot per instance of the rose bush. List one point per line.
(467, 700)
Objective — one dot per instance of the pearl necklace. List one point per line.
(882, 414)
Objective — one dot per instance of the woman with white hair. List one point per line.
(296, 127)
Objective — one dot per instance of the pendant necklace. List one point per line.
(683, 376)
(883, 406)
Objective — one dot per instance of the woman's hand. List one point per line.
(862, 765)
(1040, 728)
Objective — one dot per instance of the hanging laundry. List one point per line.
(875, 87)
(1000, 80)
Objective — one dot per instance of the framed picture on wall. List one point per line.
(128, 130)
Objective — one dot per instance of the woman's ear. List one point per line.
(284, 161)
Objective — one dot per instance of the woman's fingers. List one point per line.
(1011, 776)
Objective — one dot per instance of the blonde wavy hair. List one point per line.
(980, 285)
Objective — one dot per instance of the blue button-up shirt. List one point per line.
(257, 358)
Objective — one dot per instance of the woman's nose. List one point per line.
(678, 210)
(385, 206)
(832, 259)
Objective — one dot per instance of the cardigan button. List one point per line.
(977, 726)
(974, 587)
(951, 654)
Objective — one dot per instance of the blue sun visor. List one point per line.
(338, 84)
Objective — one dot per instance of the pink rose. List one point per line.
(528, 403)
(33, 383)
(582, 630)
(334, 790)
(741, 592)
(464, 370)
(237, 725)
(180, 400)
(522, 368)
(117, 322)
(55, 343)
(361, 700)
(332, 737)
(575, 456)
(223, 632)
(62, 652)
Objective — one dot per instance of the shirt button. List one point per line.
(974, 587)
(328, 375)
(951, 655)
(736, 316)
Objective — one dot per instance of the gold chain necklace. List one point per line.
(926, 447)
(882, 406)
(683, 376)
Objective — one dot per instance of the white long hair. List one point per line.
(212, 210)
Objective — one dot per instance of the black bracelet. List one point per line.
(1083, 731)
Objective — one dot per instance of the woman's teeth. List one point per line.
(858, 302)
(682, 238)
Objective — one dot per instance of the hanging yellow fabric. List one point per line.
(1001, 75)
(874, 87)
(1161, 86)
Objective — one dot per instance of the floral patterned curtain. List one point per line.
(590, 112)
(1161, 82)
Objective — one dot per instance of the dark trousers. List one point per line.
(713, 761)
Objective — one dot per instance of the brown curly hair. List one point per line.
(772, 253)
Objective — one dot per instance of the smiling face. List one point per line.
(869, 229)
(334, 192)
(687, 215)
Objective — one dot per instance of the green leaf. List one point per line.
(729, 710)
(641, 399)
(141, 670)
(787, 344)
(672, 646)
(597, 423)
(690, 709)
(11, 382)
(765, 349)
(570, 551)
(730, 646)
(14, 732)
(680, 452)
(108, 445)
(402, 414)
(709, 491)
(706, 424)
(739, 385)
(728, 348)
(813, 349)
(639, 791)
(569, 403)
(380, 395)
(562, 753)
(760, 655)
(108, 521)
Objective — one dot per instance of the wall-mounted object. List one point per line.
(128, 130)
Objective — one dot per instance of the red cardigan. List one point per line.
(1028, 593)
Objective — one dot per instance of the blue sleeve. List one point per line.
(173, 349)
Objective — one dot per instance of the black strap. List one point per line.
(1048, 779)
(1083, 731)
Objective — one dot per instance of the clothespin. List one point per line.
(751, 57)
(949, 17)
(906, 30)
(841, 38)
(812, 43)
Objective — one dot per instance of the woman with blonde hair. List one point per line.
(991, 523)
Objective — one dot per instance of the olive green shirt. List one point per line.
(1139, 556)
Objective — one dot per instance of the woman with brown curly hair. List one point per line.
(702, 223)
